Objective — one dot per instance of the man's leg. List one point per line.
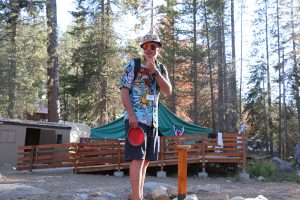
(144, 170)
(136, 174)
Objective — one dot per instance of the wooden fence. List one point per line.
(108, 154)
(47, 156)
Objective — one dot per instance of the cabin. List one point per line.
(15, 133)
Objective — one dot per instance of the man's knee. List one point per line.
(137, 162)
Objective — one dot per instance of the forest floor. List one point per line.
(63, 184)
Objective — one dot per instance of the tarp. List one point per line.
(78, 130)
(169, 124)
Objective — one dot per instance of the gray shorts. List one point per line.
(148, 150)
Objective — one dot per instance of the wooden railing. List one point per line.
(108, 154)
(99, 155)
(46, 156)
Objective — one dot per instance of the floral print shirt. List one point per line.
(144, 93)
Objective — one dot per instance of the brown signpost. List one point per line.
(182, 170)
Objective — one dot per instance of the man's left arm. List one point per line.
(163, 81)
(161, 77)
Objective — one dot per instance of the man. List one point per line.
(140, 93)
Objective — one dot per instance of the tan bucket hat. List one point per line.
(150, 38)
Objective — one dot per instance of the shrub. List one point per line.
(290, 176)
(262, 168)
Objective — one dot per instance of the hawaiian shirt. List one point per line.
(144, 93)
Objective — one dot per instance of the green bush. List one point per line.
(290, 176)
(268, 170)
(262, 168)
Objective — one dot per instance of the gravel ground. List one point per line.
(61, 183)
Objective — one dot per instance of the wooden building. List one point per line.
(14, 133)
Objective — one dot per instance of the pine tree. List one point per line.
(16, 17)
(52, 69)
(94, 81)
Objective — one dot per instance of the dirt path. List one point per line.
(64, 184)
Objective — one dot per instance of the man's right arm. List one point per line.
(133, 122)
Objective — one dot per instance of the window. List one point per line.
(7, 136)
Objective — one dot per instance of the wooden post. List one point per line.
(32, 154)
(203, 148)
(182, 170)
(76, 156)
(244, 152)
(162, 152)
(119, 155)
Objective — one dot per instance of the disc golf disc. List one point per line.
(136, 136)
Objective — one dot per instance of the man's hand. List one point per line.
(133, 122)
(150, 65)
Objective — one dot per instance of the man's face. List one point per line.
(151, 49)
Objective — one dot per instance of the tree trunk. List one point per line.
(173, 99)
(287, 147)
(52, 70)
(232, 98)
(279, 82)
(221, 103)
(103, 104)
(210, 70)
(296, 71)
(226, 89)
(103, 82)
(241, 67)
(12, 31)
(195, 70)
(268, 114)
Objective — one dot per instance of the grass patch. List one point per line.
(290, 176)
(268, 170)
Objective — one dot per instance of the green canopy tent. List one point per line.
(168, 123)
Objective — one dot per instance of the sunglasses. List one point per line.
(152, 46)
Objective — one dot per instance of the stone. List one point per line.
(281, 164)
(189, 197)
(244, 176)
(297, 154)
(20, 189)
(66, 196)
(161, 174)
(1, 176)
(161, 190)
(202, 175)
(83, 190)
(237, 198)
(172, 191)
(119, 173)
(151, 186)
(211, 188)
(95, 194)
(83, 196)
(110, 195)
(259, 197)
(261, 178)
(160, 193)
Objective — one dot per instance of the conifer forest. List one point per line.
(222, 78)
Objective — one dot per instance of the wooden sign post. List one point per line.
(182, 170)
